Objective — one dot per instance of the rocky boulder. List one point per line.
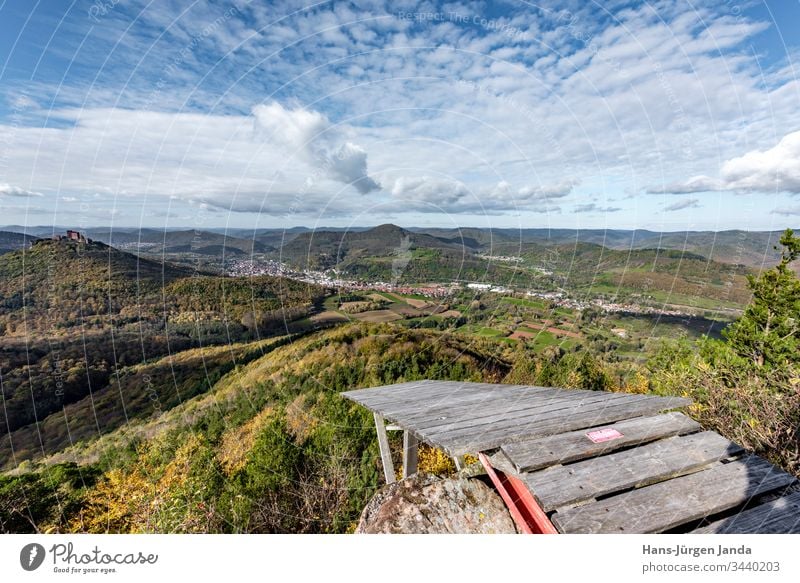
(426, 504)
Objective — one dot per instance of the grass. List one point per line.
(544, 339)
(525, 303)
(489, 332)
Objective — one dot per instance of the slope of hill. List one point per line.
(73, 314)
(671, 276)
(58, 282)
(140, 391)
(159, 241)
(388, 253)
(272, 447)
(751, 248)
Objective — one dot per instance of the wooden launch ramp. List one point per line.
(574, 461)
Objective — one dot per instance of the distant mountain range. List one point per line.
(751, 248)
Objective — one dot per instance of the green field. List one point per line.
(537, 304)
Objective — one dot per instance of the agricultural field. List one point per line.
(379, 307)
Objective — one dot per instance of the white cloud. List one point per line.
(595, 208)
(619, 100)
(241, 163)
(688, 203)
(16, 192)
(349, 165)
(311, 134)
(775, 169)
(785, 211)
(299, 128)
(430, 194)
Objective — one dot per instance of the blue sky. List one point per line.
(663, 115)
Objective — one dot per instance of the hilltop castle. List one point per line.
(72, 236)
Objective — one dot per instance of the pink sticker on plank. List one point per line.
(602, 435)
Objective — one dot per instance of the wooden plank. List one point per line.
(496, 409)
(411, 389)
(595, 477)
(503, 414)
(383, 446)
(593, 410)
(563, 448)
(451, 417)
(399, 390)
(415, 398)
(429, 407)
(410, 452)
(501, 433)
(438, 412)
(424, 391)
(779, 516)
(374, 391)
(669, 504)
(500, 462)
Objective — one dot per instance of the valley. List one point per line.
(117, 362)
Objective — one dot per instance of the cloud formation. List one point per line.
(311, 135)
(431, 194)
(16, 192)
(773, 170)
(792, 211)
(286, 109)
(595, 208)
(688, 203)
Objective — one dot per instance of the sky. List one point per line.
(664, 115)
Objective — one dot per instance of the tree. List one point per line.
(768, 333)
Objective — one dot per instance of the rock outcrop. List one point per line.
(426, 504)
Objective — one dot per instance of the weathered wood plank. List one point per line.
(501, 414)
(440, 411)
(593, 402)
(424, 391)
(501, 463)
(779, 516)
(563, 448)
(422, 410)
(398, 391)
(373, 391)
(417, 398)
(383, 446)
(491, 411)
(595, 477)
(501, 433)
(669, 504)
(410, 452)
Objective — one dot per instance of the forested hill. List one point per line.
(75, 315)
(183, 241)
(326, 249)
(59, 283)
(387, 253)
(55, 285)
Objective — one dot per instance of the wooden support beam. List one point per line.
(383, 444)
(410, 450)
(524, 510)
